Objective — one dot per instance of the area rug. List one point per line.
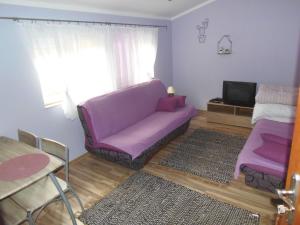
(207, 154)
(144, 199)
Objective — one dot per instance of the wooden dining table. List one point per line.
(10, 149)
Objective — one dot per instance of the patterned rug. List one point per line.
(208, 154)
(144, 199)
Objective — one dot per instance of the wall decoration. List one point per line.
(225, 45)
(202, 30)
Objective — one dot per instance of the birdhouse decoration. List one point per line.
(225, 45)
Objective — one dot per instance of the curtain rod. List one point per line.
(81, 21)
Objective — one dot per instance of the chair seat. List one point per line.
(11, 213)
(38, 194)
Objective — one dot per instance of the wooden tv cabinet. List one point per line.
(229, 114)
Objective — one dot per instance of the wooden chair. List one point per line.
(28, 138)
(39, 195)
(11, 213)
(60, 151)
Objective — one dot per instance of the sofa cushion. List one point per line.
(274, 94)
(274, 151)
(167, 104)
(255, 140)
(180, 100)
(276, 139)
(140, 136)
(108, 114)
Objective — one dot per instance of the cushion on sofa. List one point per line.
(274, 151)
(255, 140)
(274, 94)
(111, 113)
(140, 136)
(167, 104)
(276, 139)
(180, 100)
(276, 112)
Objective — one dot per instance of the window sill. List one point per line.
(53, 104)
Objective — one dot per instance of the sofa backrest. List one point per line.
(106, 115)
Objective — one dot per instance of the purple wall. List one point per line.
(20, 93)
(266, 46)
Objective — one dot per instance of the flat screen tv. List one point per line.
(239, 93)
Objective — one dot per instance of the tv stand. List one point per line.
(229, 114)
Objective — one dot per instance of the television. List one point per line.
(239, 93)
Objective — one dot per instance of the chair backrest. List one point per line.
(58, 150)
(28, 138)
(54, 148)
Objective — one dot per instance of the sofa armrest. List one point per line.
(87, 133)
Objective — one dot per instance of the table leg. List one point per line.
(30, 219)
(64, 198)
(77, 197)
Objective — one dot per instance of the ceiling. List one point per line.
(143, 8)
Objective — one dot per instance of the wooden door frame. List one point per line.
(294, 163)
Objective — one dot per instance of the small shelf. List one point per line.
(229, 114)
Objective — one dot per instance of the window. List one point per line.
(75, 62)
(81, 74)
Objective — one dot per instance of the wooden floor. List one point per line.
(93, 178)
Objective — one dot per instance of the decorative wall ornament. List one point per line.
(225, 45)
(202, 30)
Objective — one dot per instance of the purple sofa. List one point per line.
(125, 127)
(260, 172)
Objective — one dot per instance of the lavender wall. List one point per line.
(20, 93)
(266, 46)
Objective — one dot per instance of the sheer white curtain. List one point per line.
(78, 61)
(135, 51)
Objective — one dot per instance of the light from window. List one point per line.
(83, 74)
